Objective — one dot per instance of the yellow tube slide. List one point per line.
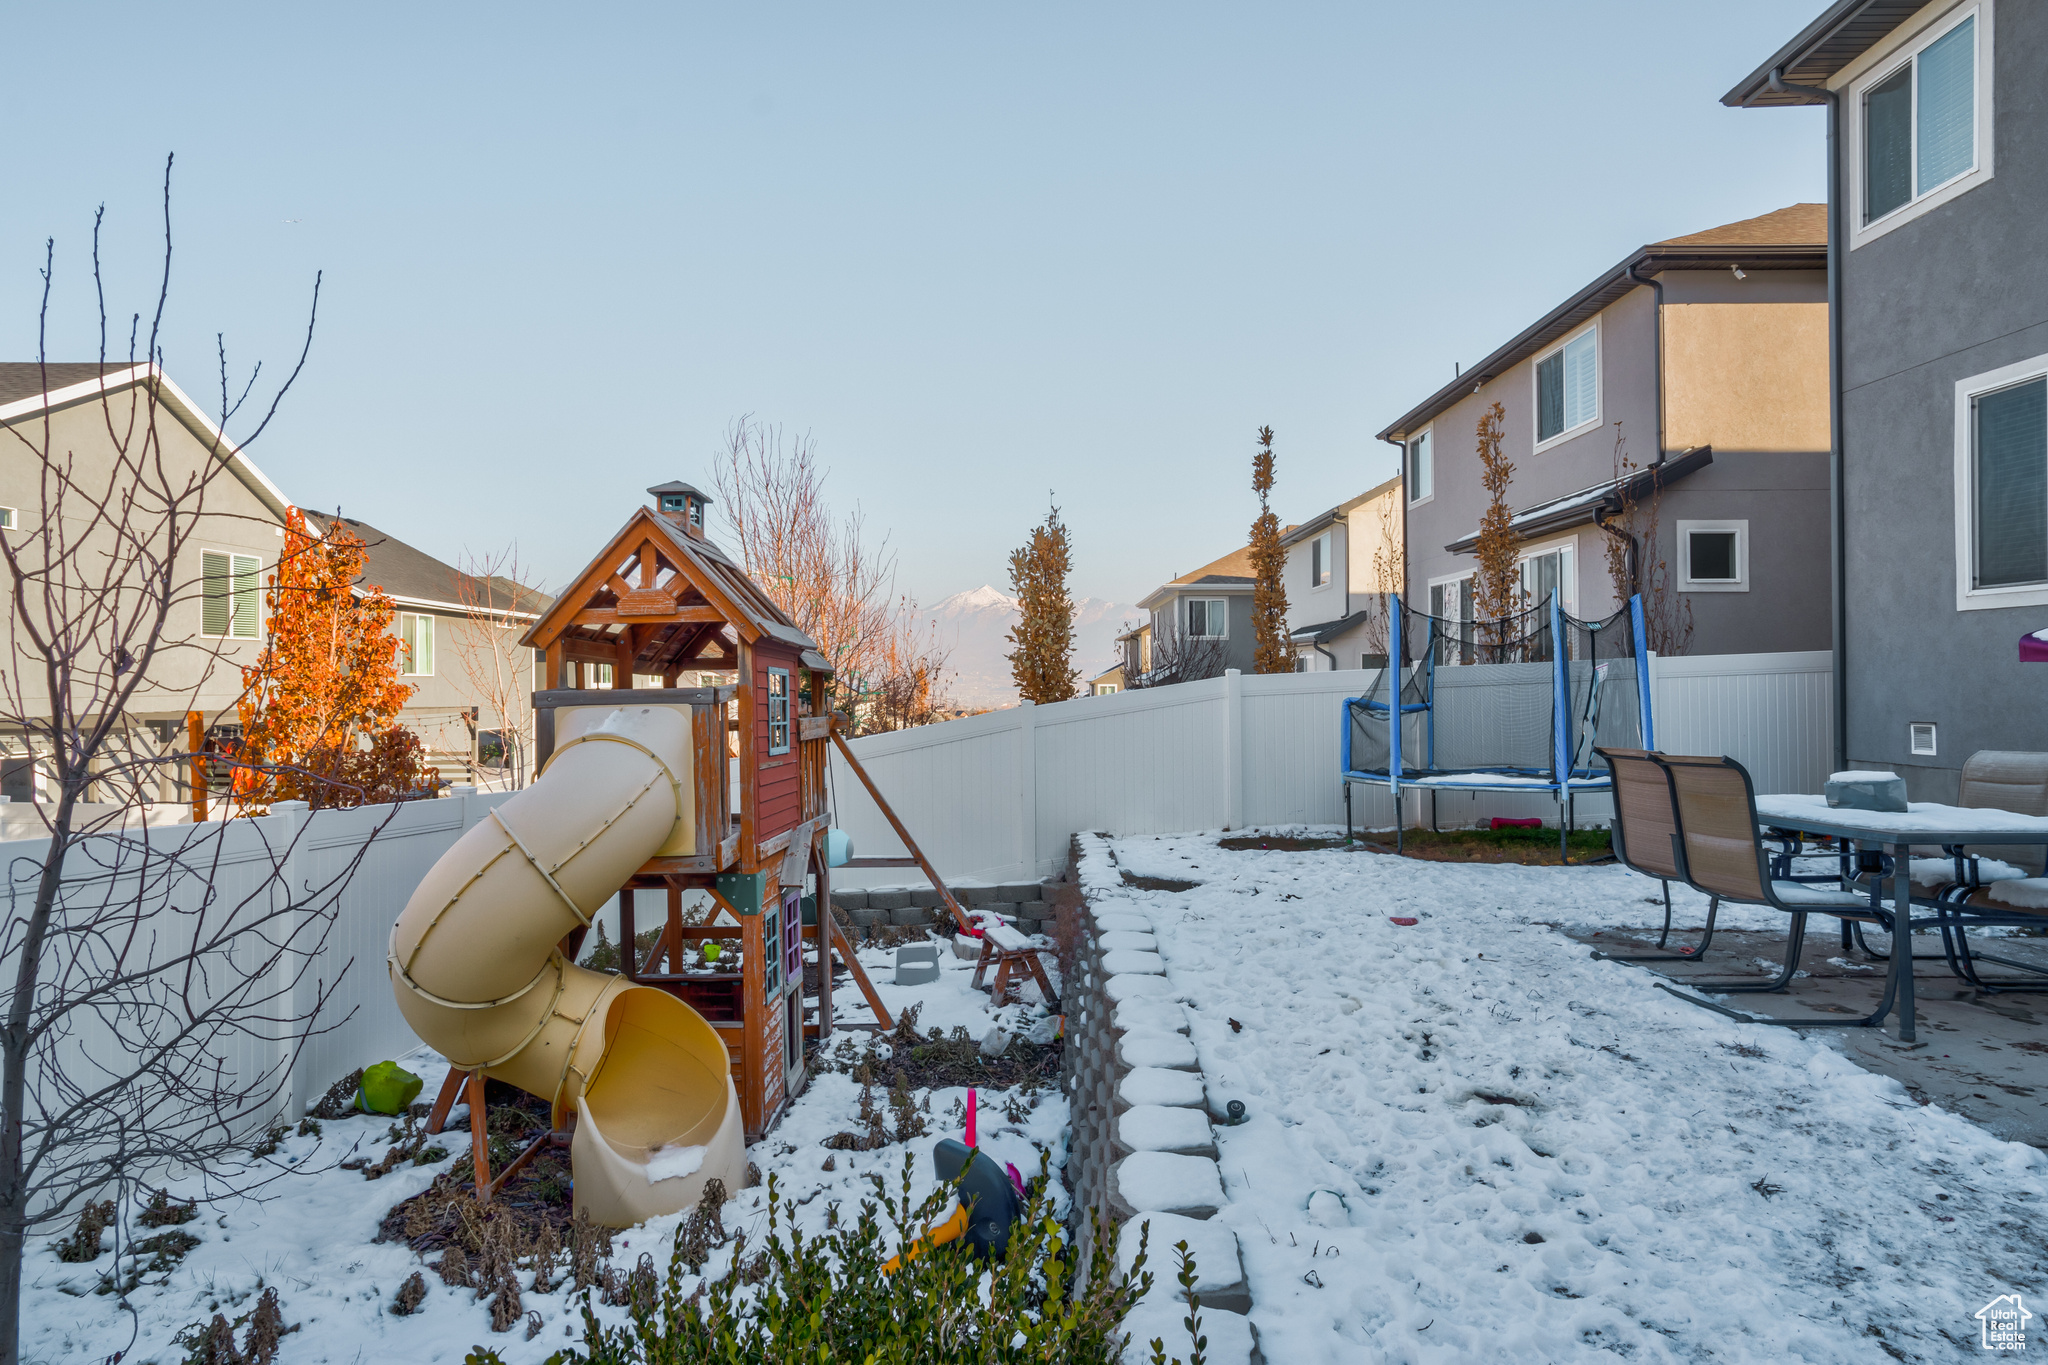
(477, 974)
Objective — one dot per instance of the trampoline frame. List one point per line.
(1565, 780)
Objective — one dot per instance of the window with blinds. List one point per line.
(2010, 454)
(1208, 618)
(1919, 121)
(415, 644)
(1568, 386)
(231, 595)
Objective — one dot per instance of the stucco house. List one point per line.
(471, 704)
(1702, 359)
(1342, 566)
(1201, 624)
(1938, 192)
(72, 411)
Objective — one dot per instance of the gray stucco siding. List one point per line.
(1959, 291)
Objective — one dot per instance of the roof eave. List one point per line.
(1842, 32)
(1664, 473)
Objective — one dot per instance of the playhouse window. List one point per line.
(778, 710)
(792, 936)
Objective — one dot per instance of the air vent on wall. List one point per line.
(1921, 735)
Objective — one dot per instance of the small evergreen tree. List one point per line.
(1043, 660)
(1269, 594)
(1498, 591)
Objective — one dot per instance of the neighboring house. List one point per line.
(1201, 622)
(1941, 380)
(471, 679)
(1718, 341)
(230, 558)
(1107, 684)
(234, 544)
(1134, 647)
(1341, 568)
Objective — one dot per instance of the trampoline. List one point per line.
(1513, 704)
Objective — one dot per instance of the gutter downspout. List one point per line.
(1656, 350)
(1837, 521)
(1327, 655)
(1657, 363)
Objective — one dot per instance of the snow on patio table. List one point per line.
(1516, 1152)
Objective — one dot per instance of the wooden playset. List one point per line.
(663, 794)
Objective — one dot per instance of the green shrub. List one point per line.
(827, 1297)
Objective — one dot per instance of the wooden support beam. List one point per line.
(629, 696)
(451, 1086)
(932, 873)
(479, 1138)
(860, 976)
(882, 862)
(750, 763)
(609, 616)
(518, 1164)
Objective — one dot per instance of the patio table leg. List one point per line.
(1902, 937)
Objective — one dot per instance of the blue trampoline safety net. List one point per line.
(1516, 703)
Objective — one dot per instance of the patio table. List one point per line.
(1896, 832)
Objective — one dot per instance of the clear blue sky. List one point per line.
(978, 252)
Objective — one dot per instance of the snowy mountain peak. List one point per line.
(977, 599)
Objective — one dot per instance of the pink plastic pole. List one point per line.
(970, 1116)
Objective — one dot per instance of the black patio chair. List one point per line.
(1645, 836)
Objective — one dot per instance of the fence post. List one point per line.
(1233, 748)
(291, 817)
(1027, 789)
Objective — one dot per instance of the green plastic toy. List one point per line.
(387, 1088)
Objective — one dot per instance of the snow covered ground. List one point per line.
(310, 1237)
(1469, 1141)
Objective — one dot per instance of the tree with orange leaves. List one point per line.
(320, 706)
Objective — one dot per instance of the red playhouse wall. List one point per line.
(781, 784)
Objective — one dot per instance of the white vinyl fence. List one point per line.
(994, 797)
(226, 872)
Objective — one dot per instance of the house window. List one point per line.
(416, 645)
(778, 710)
(2002, 487)
(1450, 601)
(1551, 569)
(1922, 123)
(1372, 661)
(1421, 469)
(232, 595)
(1319, 559)
(1713, 556)
(1568, 387)
(8, 519)
(1209, 618)
(1302, 664)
